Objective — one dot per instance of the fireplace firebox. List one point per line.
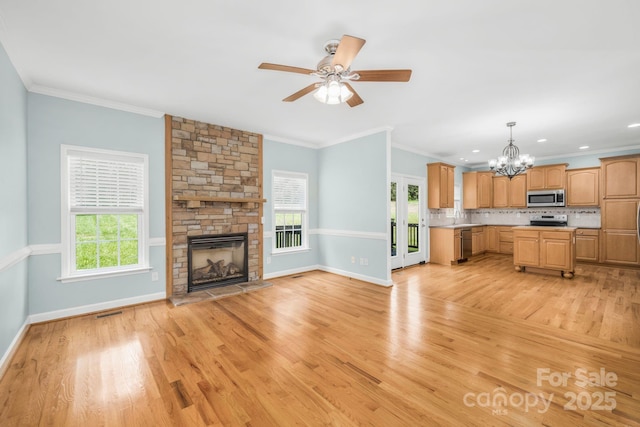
(217, 260)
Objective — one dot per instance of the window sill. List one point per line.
(102, 275)
(290, 251)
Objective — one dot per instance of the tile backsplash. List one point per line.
(577, 217)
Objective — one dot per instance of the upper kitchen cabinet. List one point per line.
(477, 190)
(620, 177)
(583, 187)
(510, 193)
(440, 185)
(552, 177)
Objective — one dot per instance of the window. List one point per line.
(104, 212)
(289, 211)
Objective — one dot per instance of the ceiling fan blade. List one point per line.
(287, 68)
(355, 100)
(384, 75)
(347, 50)
(300, 93)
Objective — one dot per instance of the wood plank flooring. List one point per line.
(447, 346)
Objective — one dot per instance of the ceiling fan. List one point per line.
(335, 72)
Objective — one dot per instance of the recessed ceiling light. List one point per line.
(542, 140)
(583, 147)
(461, 158)
(634, 125)
(475, 151)
(466, 160)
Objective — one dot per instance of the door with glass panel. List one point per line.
(408, 227)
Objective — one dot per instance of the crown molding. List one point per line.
(289, 141)
(73, 96)
(356, 136)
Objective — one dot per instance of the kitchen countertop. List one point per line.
(473, 225)
(457, 226)
(544, 228)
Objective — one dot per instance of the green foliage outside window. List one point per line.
(106, 240)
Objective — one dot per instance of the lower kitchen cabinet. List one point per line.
(505, 240)
(477, 240)
(587, 244)
(619, 243)
(544, 248)
(491, 238)
(444, 245)
(498, 239)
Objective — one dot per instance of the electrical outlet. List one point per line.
(366, 261)
(353, 259)
(154, 276)
(486, 214)
(577, 216)
(518, 215)
(268, 260)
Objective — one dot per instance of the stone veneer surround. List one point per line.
(212, 161)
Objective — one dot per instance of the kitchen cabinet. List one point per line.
(444, 245)
(552, 177)
(498, 238)
(440, 177)
(518, 191)
(583, 187)
(619, 232)
(505, 240)
(491, 242)
(620, 177)
(477, 190)
(587, 244)
(510, 193)
(500, 191)
(477, 240)
(541, 247)
(620, 187)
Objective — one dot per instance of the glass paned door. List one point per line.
(408, 228)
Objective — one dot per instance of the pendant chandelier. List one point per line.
(511, 163)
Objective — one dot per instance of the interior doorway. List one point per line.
(408, 221)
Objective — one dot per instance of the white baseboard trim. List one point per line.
(93, 308)
(369, 279)
(6, 357)
(290, 272)
(373, 280)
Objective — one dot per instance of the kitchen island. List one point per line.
(548, 248)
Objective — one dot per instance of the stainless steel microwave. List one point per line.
(545, 198)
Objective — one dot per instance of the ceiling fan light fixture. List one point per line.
(332, 92)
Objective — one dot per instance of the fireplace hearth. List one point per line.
(217, 260)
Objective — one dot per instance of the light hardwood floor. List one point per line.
(438, 348)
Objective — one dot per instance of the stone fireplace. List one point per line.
(215, 191)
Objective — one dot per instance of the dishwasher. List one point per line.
(465, 244)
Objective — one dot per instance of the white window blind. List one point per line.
(105, 183)
(289, 192)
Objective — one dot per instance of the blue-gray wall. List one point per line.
(348, 186)
(353, 206)
(52, 122)
(291, 158)
(13, 204)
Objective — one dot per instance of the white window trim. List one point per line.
(305, 216)
(68, 273)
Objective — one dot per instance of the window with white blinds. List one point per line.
(105, 184)
(289, 192)
(104, 212)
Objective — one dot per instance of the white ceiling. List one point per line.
(564, 70)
